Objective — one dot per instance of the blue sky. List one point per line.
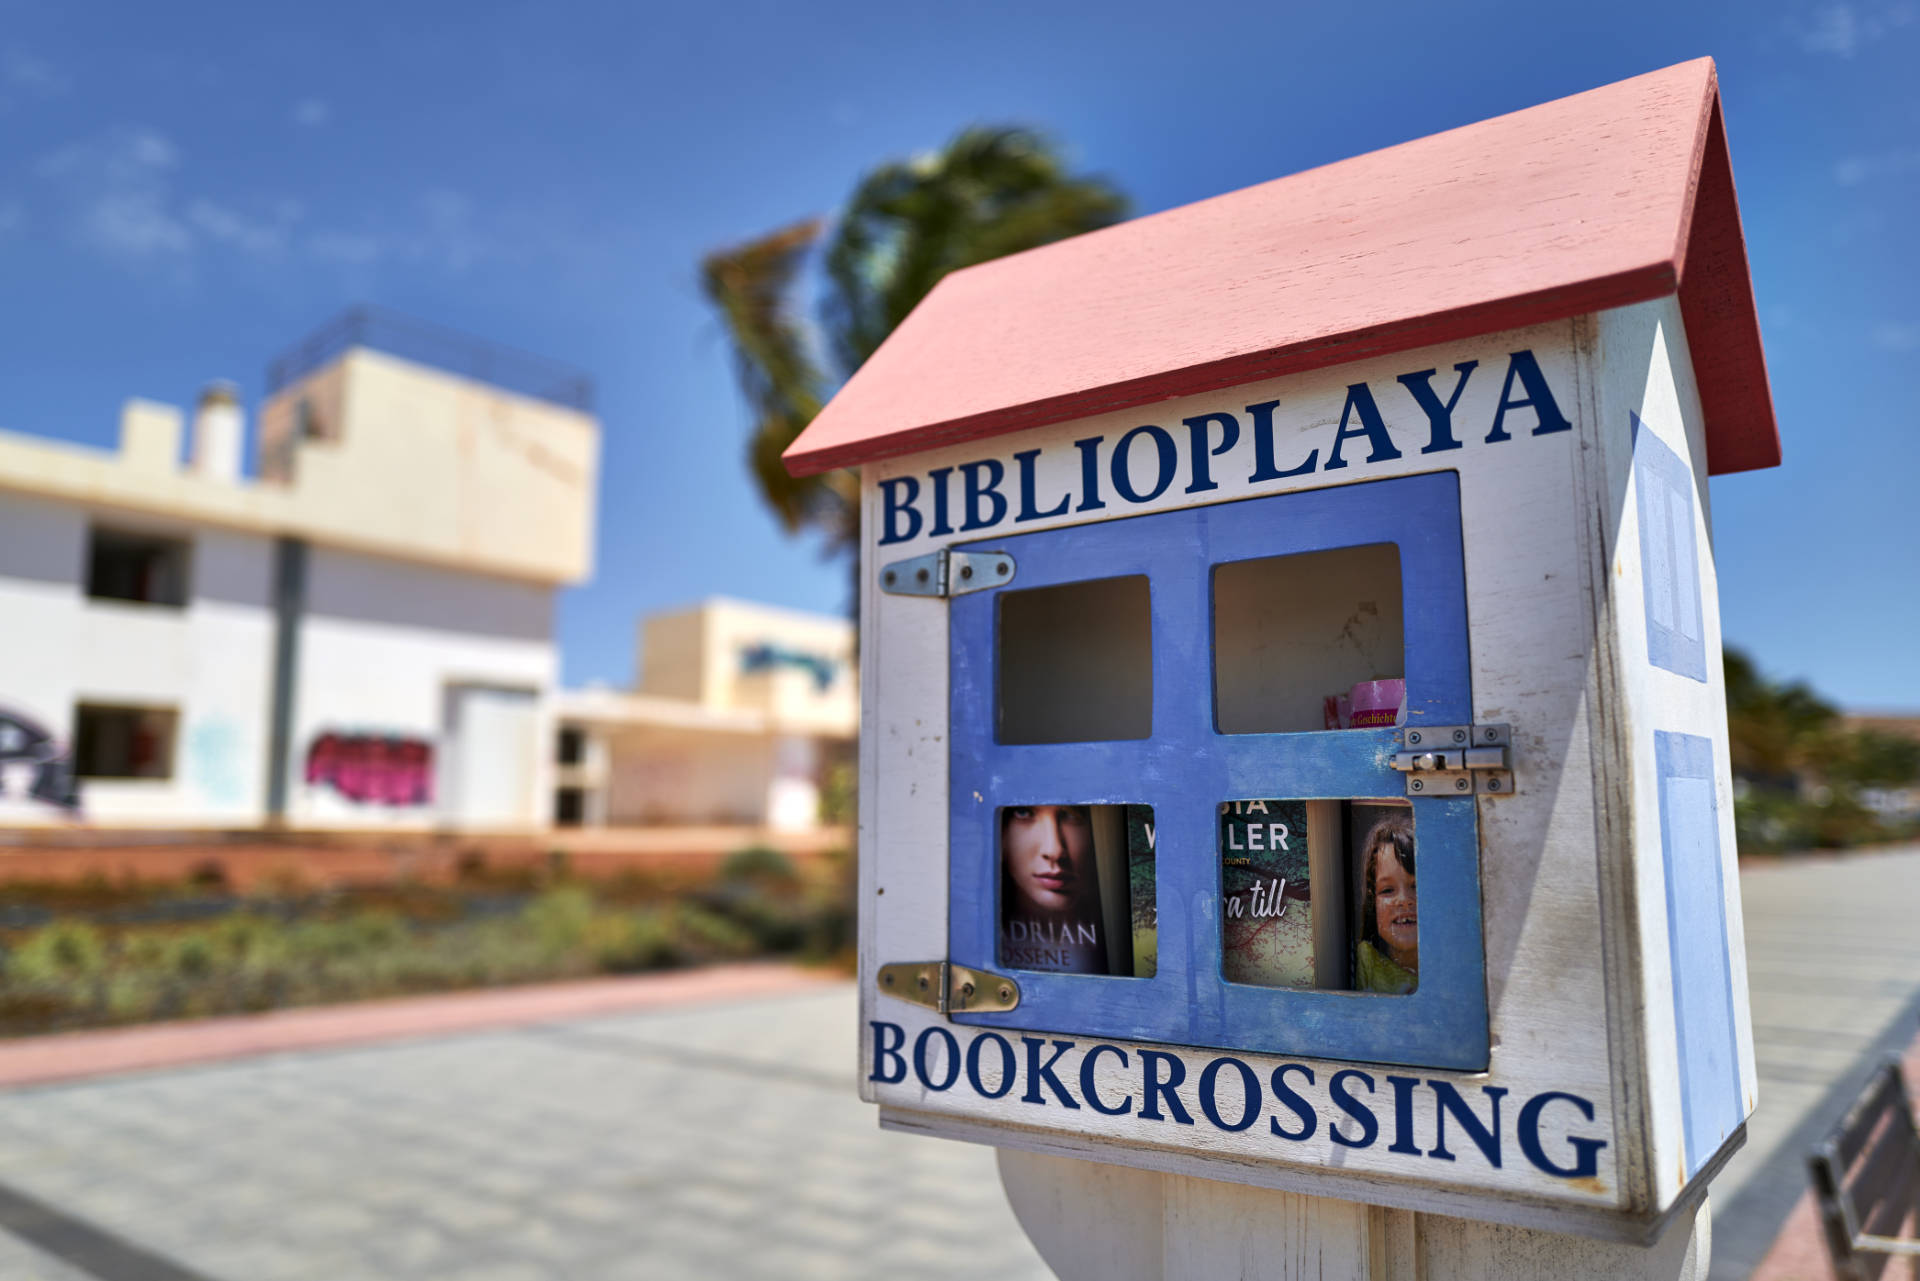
(185, 190)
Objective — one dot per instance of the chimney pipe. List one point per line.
(219, 432)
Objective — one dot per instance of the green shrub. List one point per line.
(377, 929)
(559, 917)
(625, 942)
(758, 862)
(249, 939)
(144, 951)
(709, 934)
(194, 954)
(60, 952)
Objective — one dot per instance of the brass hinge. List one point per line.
(949, 988)
(1456, 760)
(946, 573)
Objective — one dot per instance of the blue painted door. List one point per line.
(1185, 769)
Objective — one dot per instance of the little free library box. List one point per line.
(1293, 744)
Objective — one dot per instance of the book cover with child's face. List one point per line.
(1266, 897)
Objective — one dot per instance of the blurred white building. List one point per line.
(743, 714)
(361, 636)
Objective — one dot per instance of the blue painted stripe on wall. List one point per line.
(1711, 1101)
(1669, 556)
(1186, 769)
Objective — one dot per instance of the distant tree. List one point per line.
(988, 193)
(1801, 775)
(1778, 733)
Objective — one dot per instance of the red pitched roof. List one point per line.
(1610, 197)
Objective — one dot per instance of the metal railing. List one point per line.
(446, 349)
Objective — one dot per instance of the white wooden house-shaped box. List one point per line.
(1293, 742)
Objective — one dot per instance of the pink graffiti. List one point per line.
(373, 768)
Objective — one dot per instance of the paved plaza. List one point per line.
(726, 1141)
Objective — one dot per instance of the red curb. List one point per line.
(1799, 1253)
(69, 1056)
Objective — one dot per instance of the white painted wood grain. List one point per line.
(1094, 1222)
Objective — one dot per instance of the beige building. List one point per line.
(359, 636)
(743, 715)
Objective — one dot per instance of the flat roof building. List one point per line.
(359, 636)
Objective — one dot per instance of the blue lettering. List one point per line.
(1439, 416)
(1403, 1088)
(1090, 500)
(952, 1058)
(897, 1072)
(1029, 509)
(990, 490)
(1038, 1072)
(894, 505)
(1153, 1089)
(1586, 1158)
(937, 482)
(1249, 1093)
(1360, 403)
(1200, 456)
(1087, 1081)
(1008, 1066)
(1169, 459)
(1263, 466)
(1546, 411)
(1285, 1094)
(1485, 1138)
(1369, 1127)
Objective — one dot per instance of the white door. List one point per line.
(492, 755)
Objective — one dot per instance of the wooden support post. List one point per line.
(1093, 1222)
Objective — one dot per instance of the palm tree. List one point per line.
(988, 193)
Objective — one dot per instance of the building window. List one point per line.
(137, 567)
(571, 749)
(308, 423)
(569, 807)
(124, 742)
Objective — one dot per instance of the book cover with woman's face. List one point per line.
(1050, 910)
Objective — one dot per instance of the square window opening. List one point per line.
(1319, 894)
(1310, 641)
(1075, 662)
(124, 742)
(144, 568)
(1077, 889)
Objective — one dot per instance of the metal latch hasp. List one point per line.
(1456, 760)
(949, 988)
(946, 573)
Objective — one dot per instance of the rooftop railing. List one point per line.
(446, 349)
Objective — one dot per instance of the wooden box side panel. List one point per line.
(1671, 720)
(1530, 593)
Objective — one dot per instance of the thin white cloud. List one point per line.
(125, 195)
(1841, 30)
(351, 249)
(121, 156)
(135, 224)
(451, 236)
(13, 216)
(29, 76)
(120, 185)
(1897, 337)
(311, 113)
(1851, 171)
(256, 237)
